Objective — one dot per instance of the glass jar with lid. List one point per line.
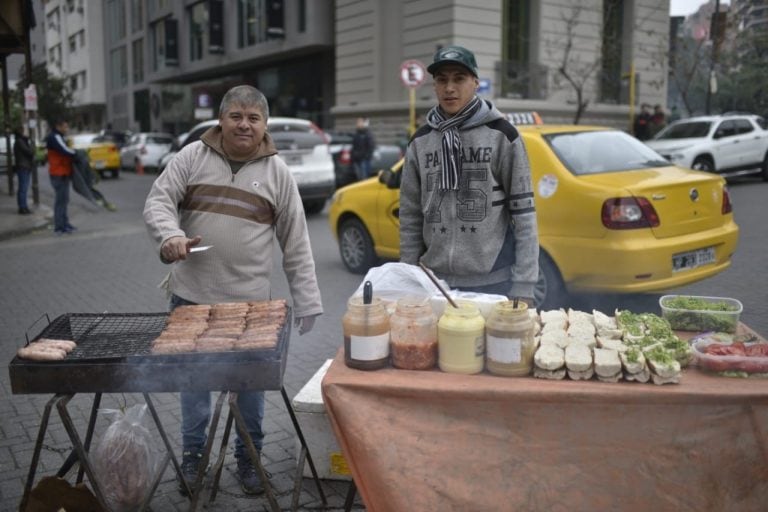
(366, 334)
(461, 339)
(509, 340)
(414, 334)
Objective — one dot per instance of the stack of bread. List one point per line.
(581, 345)
(222, 327)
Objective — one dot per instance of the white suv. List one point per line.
(301, 145)
(730, 144)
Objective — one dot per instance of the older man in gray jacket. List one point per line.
(466, 200)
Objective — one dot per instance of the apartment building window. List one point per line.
(164, 44)
(516, 74)
(302, 16)
(137, 52)
(81, 37)
(73, 82)
(83, 82)
(71, 5)
(251, 27)
(198, 30)
(53, 19)
(157, 6)
(118, 67)
(115, 20)
(54, 55)
(73, 43)
(137, 15)
(612, 49)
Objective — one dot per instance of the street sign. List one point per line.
(412, 73)
(484, 86)
(30, 97)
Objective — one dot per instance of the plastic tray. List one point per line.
(726, 363)
(702, 320)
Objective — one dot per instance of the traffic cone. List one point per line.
(139, 166)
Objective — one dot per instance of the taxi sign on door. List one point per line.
(412, 73)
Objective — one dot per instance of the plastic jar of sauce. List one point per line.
(509, 340)
(366, 334)
(414, 334)
(461, 339)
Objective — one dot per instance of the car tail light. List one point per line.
(629, 213)
(345, 156)
(112, 149)
(317, 130)
(727, 205)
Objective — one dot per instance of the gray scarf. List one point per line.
(451, 140)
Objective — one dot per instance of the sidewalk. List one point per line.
(11, 223)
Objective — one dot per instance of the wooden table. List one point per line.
(437, 441)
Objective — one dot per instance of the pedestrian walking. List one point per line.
(466, 200)
(231, 191)
(642, 124)
(363, 145)
(60, 170)
(24, 158)
(658, 120)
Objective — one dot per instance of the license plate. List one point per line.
(292, 159)
(693, 259)
(99, 164)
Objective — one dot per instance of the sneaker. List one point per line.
(70, 228)
(250, 480)
(190, 466)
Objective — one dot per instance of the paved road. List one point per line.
(109, 265)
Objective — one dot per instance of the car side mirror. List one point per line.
(389, 178)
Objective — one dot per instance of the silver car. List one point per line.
(145, 149)
(301, 145)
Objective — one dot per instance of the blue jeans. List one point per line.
(196, 412)
(362, 168)
(25, 176)
(61, 187)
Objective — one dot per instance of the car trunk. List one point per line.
(685, 202)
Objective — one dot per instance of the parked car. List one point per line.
(730, 145)
(103, 154)
(384, 157)
(613, 216)
(304, 148)
(146, 149)
(4, 150)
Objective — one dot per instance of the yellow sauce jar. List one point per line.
(366, 334)
(461, 339)
(509, 340)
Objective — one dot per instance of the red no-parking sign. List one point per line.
(412, 73)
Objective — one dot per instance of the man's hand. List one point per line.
(304, 323)
(177, 247)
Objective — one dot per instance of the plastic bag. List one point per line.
(392, 281)
(125, 460)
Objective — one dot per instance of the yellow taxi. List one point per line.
(103, 154)
(613, 216)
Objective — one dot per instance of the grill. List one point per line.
(113, 355)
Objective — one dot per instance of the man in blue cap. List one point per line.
(466, 199)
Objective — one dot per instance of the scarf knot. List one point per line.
(451, 140)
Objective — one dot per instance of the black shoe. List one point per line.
(250, 480)
(24, 211)
(190, 467)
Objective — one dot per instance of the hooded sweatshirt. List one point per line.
(240, 214)
(485, 232)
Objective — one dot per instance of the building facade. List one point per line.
(168, 62)
(74, 45)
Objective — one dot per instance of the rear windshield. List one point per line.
(290, 127)
(595, 152)
(155, 139)
(79, 140)
(685, 130)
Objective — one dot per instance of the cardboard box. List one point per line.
(316, 427)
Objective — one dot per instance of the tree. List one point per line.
(741, 85)
(54, 97)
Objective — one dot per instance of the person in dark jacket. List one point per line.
(642, 125)
(363, 145)
(24, 156)
(60, 169)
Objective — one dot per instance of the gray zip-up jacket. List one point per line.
(241, 215)
(485, 232)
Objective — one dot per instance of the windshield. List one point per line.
(83, 139)
(594, 152)
(685, 130)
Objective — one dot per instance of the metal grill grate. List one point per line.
(107, 335)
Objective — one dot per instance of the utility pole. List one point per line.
(716, 33)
